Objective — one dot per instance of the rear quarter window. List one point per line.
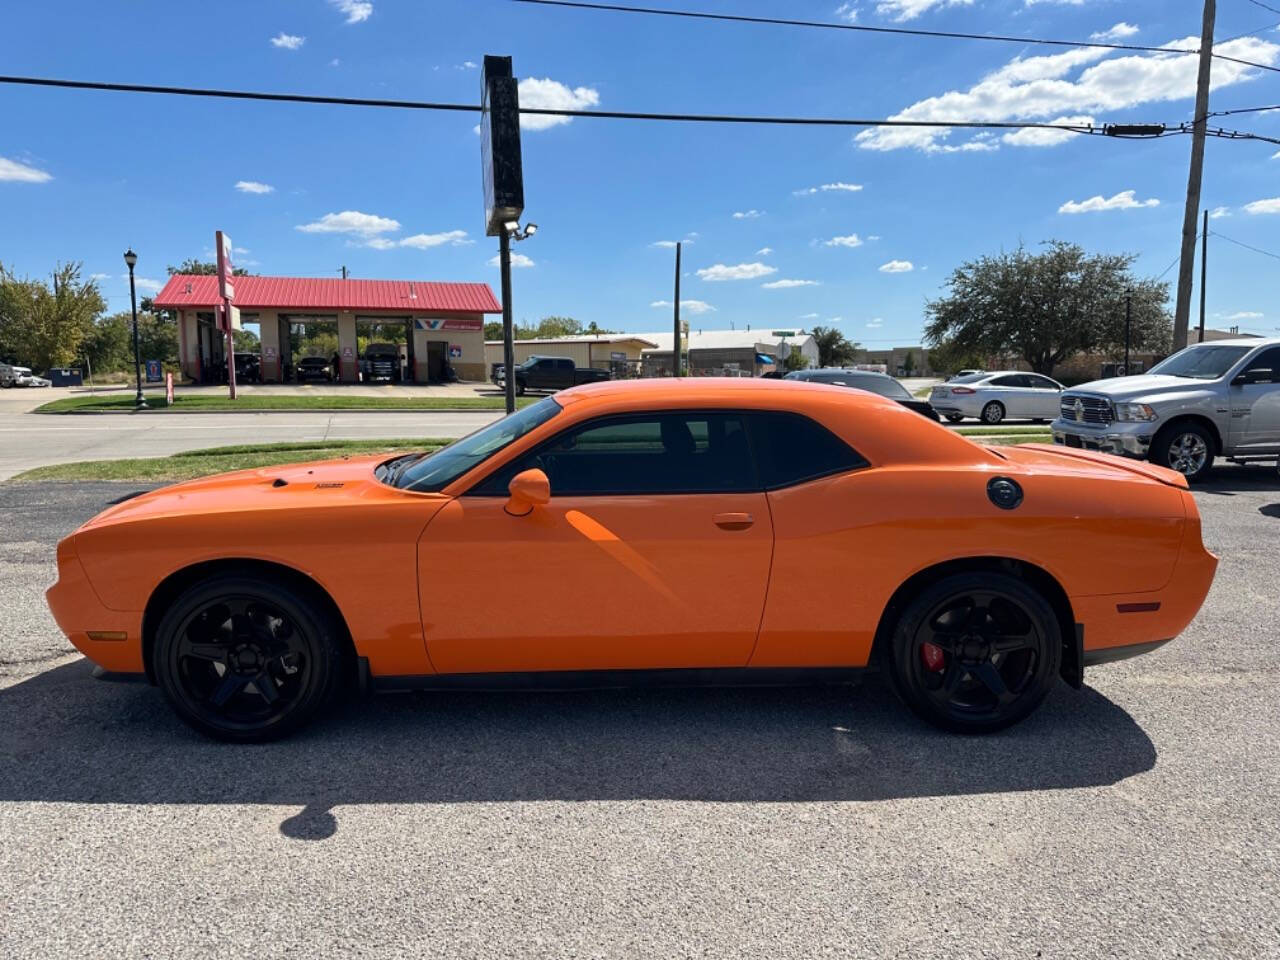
(790, 448)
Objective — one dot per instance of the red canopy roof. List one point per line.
(330, 294)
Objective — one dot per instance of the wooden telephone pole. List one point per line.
(1186, 267)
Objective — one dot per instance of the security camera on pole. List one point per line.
(503, 189)
(230, 316)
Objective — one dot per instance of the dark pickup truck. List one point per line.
(548, 373)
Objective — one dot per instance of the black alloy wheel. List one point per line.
(248, 659)
(974, 653)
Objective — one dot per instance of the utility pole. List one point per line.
(1186, 268)
(675, 342)
(1128, 326)
(1204, 269)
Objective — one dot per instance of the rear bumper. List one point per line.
(1094, 658)
(110, 638)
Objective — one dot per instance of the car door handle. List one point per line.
(733, 521)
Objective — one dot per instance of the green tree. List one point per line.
(949, 357)
(43, 327)
(246, 341)
(203, 268)
(795, 360)
(1046, 307)
(493, 330)
(109, 346)
(834, 349)
(552, 327)
(909, 363)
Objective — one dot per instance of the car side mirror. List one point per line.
(528, 489)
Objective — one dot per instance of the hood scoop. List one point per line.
(279, 482)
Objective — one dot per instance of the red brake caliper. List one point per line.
(932, 656)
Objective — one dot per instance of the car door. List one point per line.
(1011, 390)
(653, 552)
(1045, 396)
(1255, 403)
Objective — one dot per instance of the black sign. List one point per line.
(500, 145)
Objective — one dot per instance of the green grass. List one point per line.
(1000, 431)
(201, 463)
(199, 403)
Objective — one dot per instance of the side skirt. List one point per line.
(621, 679)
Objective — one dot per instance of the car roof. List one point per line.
(1240, 342)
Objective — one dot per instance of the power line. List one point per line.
(1265, 253)
(1227, 113)
(1084, 129)
(863, 28)
(1258, 3)
(1160, 276)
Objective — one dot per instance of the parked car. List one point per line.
(548, 373)
(381, 361)
(993, 397)
(1218, 399)
(879, 383)
(313, 368)
(248, 368)
(964, 373)
(706, 514)
(12, 375)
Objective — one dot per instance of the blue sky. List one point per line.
(396, 194)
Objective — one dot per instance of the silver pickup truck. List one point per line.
(1217, 399)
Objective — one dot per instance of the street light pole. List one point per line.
(508, 331)
(131, 258)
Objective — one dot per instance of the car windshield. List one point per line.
(970, 378)
(1200, 362)
(885, 386)
(427, 473)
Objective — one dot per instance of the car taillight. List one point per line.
(962, 390)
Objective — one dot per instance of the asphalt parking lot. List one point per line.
(1137, 818)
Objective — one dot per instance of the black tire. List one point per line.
(226, 634)
(519, 389)
(993, 412)
(1001, 648)
(1186, 447)
(955, 417)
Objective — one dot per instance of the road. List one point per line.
(30, 439)
(1135, 819)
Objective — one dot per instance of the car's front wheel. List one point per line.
(1185, 447)
(975, 652)
(248, 659)
(993, 412)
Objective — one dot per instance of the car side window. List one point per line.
(1266, 360)
(1043, 383)
(791, 448)
(1011, 380)
(649, 454)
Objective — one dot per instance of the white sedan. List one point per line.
(993, 397)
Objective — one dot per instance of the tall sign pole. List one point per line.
(675, 342)
(1186, 267)
(227, 290)
(503, 177)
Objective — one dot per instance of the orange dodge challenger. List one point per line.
(703, 530)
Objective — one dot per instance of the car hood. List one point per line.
(1146, 385)
(285, 486)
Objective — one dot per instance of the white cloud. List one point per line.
(748, 214)
(788, 284)
(253, 186)
(287, 41)
(239, 250)
(1123, 200)
(1070, 83)
(145, 284)
(1119, 32)
(517, 260)
(21, 173)
(741, 271)
(1244, 315)
(848, 12)
(671, 244)
(380, 243)
(807, 316)
(1276, 155)
(901, 10)
(351, 221)
(548, 94)
(1271, 205)
(689, 306)
(838, 186)
(335, 62)
(875, 323)
(468, 65)
(764, 251)
(873, 236)
(356, 11)
(1217, 213)
(99, 276)
(1032, 137)
(897, 266)
(425, 241)
(852, 240)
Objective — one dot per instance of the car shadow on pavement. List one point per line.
(67, 738)
(1227, 481)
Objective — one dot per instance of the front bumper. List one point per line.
(1124, 439)
(110, 638)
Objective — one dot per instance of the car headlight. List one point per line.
(1134, 412)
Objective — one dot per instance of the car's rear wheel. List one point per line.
(993, 412)
(519, 389)
(955, 417)
(1185, 447)
(248, 660)
(975, 652)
